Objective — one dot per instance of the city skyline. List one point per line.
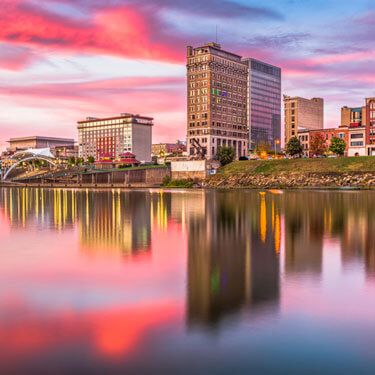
(61, 61)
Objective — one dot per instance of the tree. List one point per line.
(91, 160)
(294, 147)
(338, 146)
(71, 160)
(79, 161)
(318, 144)
(225, 155)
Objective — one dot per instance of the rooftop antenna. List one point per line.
(216, 34)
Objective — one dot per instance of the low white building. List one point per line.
(357, 141)
(112, 136)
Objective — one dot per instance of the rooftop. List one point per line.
(40, 138)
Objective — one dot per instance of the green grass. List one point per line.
(323, 165)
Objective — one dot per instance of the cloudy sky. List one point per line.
(63, 60)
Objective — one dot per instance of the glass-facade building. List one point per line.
(264, 104)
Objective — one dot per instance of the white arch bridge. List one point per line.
(20, 157)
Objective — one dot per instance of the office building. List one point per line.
(113, 136)
(232, 101)
(217, 95)
(263, 104)
(302, 114)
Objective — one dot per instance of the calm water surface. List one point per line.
(186, 282)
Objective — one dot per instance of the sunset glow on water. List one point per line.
(152, 281)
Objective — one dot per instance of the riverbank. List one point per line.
(329, 173)
(356, 173)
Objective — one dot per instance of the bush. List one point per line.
(182, 183)
(188, 183)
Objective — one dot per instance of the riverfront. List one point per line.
(117, 280)
(332, 173)
(326, 173)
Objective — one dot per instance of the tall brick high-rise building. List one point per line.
(302, 114)
(217, 97)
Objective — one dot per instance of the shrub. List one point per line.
(166, 180)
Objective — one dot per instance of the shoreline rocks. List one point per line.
(360, 180)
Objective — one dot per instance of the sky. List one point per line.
(64, 60)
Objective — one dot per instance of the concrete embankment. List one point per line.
(141, 177)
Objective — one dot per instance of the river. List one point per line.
(153, 281)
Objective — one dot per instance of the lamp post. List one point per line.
(277, 141)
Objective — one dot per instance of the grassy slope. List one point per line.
(354, 164)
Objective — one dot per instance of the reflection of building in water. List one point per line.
(114, 220)
(177, 207)
(39, 207)
(160, 208)
(309, 216)
(263, 263)
(233, 256)
(358, 237)
(304, 230)
(188, 206)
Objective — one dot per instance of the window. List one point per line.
(356, 136)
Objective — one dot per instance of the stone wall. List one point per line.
(195, 175)
(151, 176)
(293, 180)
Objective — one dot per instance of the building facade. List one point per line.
(165, 149)
(357, 140)
(305, 137)
(361, 123)
(353, 116)
(264, 104)
(217, 95)
(23, 143)
(369, 114)
(113, 136)
(302, 114)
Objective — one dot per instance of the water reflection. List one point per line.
(191, 263)
(233, 256)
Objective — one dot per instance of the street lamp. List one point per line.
(277, 141)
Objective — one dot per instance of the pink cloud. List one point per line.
(121, 31)
(15, 58)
